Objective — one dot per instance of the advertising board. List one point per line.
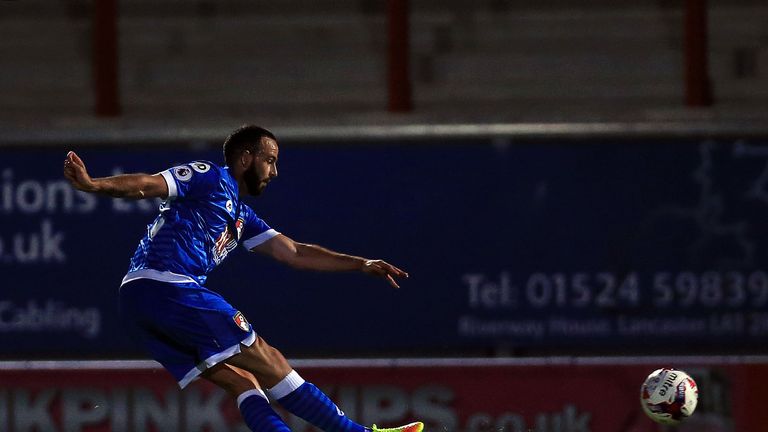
(621, 247)
(544, 395)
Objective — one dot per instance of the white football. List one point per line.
(669, 396)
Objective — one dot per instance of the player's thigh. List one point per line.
(265, 362)
(233, 380)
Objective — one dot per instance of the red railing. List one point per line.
(399, 79)
(105, 59)
(698, 90)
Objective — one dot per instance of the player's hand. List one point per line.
(384, 270)
(75, 172)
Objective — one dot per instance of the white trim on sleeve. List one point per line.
(173, 191)
(259, 239)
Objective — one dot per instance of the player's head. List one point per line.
(251, 153)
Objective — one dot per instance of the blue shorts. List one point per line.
(185, 327)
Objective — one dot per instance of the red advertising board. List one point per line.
(545, 395)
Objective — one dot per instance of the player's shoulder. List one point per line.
(186, 171)
(204, 166)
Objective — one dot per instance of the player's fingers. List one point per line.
(69, 169)
(392, 281)
(70, 174)
(74, 175)
(377, 268)
(76, 159)
(394, 270)
(385, 270)
(72, 170)
(400, 272)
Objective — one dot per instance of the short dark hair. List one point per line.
(246, 137)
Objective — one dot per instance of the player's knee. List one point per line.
(256, 356)
(256, 353)
(280, 366)
(273, 354)
(265, 359)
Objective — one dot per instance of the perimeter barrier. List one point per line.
(553, 394)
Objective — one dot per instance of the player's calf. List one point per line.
(305, 400)
(258, 413)
(251, 400)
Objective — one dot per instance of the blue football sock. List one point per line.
(305, 400)
(258, 414)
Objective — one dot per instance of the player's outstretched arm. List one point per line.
(134, 186)
(314, 257)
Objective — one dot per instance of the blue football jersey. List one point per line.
(199, 224)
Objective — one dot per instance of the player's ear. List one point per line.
(245, 158)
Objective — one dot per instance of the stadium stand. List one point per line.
(502, 58)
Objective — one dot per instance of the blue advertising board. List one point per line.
(618, 247)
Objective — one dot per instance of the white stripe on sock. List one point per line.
(291, 382)
(249, 393)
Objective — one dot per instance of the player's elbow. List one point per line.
(288, 252)
(301, 257)
(289, 259)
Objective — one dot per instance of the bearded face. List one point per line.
(263, 167)
(255, 181)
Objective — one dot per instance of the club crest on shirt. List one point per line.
(229, 206)
(182, 173)
(241, 322)
(227, 241)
